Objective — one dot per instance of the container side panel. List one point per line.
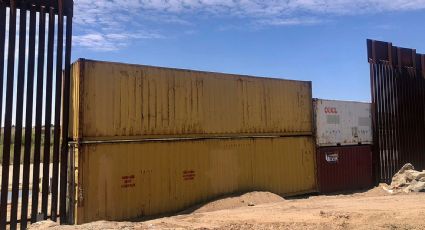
(138, 101)
(344, 168)
(128, 180)
(343, 123)
(284, 166)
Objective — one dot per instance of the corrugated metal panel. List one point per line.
(126, 180)
(342, 122)
(116, 100)
(344, 168)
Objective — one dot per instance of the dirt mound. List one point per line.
(376, 191)
(44, 225)
(407, 180)
(247, 199)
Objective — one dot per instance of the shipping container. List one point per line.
(150, 140)
(119, 181)
(122, 101)
(344, 168)
(342, 123)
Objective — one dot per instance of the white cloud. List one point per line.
(122, 17)
(248, 7)
(94, 41)
(290, 21)
(111, 41)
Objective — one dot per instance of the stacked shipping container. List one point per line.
(151, 140)
(343, 139)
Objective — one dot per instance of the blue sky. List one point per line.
(323, 41)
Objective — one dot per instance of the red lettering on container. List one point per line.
(128, 181)
(189, 175)
(331, 110)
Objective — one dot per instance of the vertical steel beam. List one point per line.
(398, 115)
(65, 119)
(19, 115)
(375, 151)
(411, 128)
(376, 156)
(389, 125)
(48, 113)
(8, 115)
(379, 119)
(38, 114)
(382, 122)
(415, 104)
(58, 102)
(28, 118)
(411, 114)
(407, 112)
(394, 117)
(421, 76)
(389, 129)
(2, 53)
(2, 56)
(403, 118)
(383, 112)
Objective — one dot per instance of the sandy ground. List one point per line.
(374, 209)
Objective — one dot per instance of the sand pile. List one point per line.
(407, 180)
(248, 199)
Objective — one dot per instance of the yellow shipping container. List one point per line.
(153, 140)
(122, 101)
(117, 181)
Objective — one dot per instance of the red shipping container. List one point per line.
(344, 168)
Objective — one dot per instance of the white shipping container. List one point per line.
(342, 122)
